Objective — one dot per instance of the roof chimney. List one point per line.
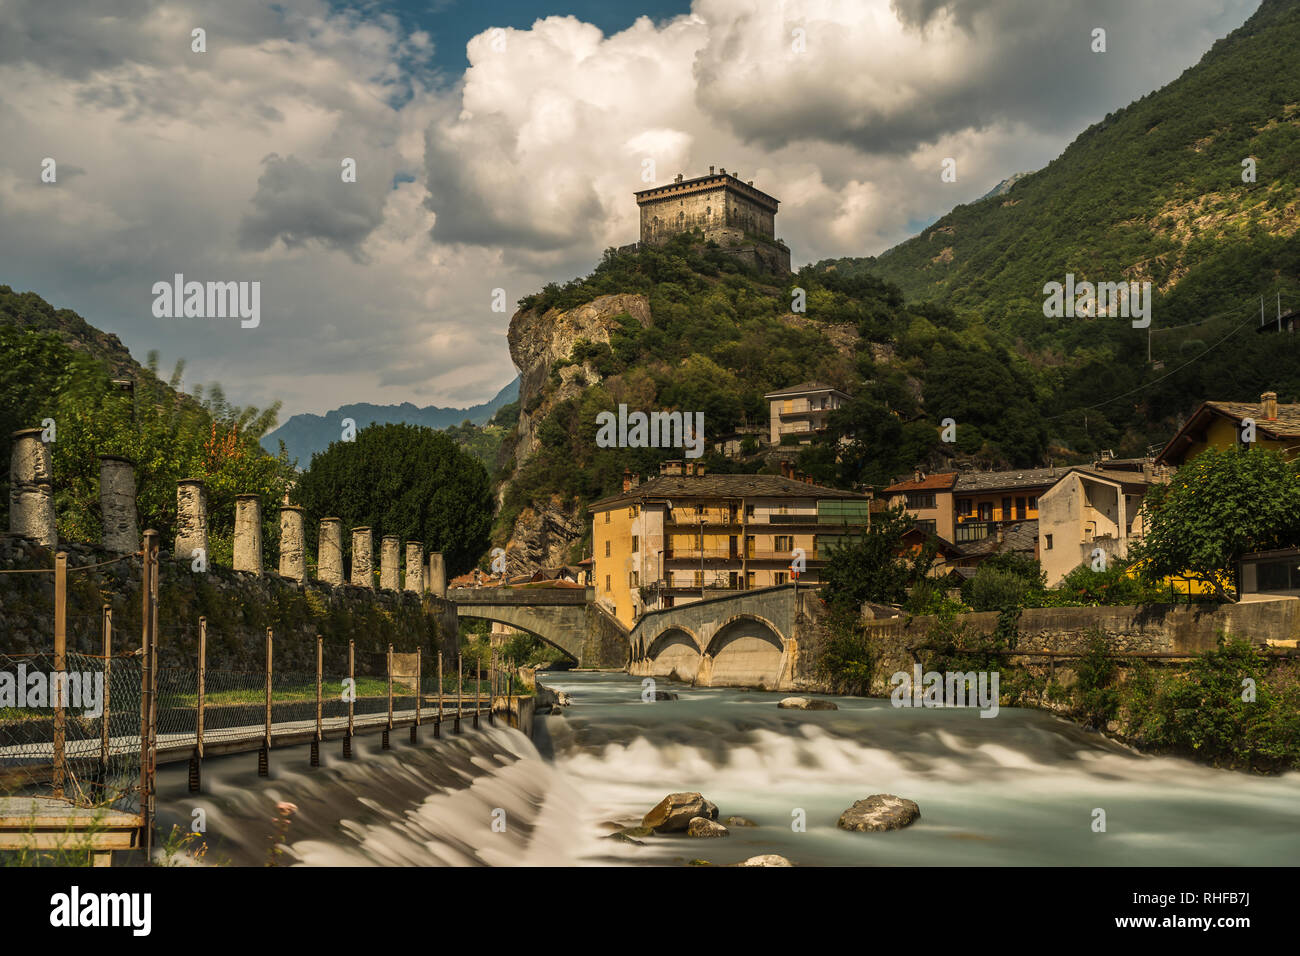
(627, 479)
(1269, 403)
(710, 170)
(918, 476)
(677, 178)
(723, 170)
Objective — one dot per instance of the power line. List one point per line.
(1174, 371)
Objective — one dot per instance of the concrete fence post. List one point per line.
(117, 502)
(248, 533)
(191, 518)
(293, 550)
(390, 556)
(415, 567)
(437, 574)
(31, 488)
(329, 555)
(363, 557)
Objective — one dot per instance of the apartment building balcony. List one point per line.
(967, 531)
(727, 554)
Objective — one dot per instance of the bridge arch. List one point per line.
(673, 653)
(746, 650)
(517, 622)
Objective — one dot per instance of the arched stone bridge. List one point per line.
(742, 639)
(563, 617)
(745, 639)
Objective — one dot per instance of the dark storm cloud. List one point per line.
(950, 67)
(296, 203)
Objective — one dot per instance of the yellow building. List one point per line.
(686, 534)
(1225, 424)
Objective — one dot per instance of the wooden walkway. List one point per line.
(46, 823)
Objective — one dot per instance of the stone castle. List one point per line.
(740, 218)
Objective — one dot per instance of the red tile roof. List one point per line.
(940, 482)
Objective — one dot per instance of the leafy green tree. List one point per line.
(995, 589)
(36, 370)
(167, 434)
(405, 480)
(875, 567)
(1219, 506)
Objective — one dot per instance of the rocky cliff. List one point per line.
(543, 535)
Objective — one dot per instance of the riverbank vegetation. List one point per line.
(168, 434)
(1235, 706)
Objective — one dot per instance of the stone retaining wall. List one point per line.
(239, 607)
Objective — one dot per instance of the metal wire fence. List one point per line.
(71, 733)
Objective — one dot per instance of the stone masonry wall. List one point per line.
(239, 607)
(1151, 629)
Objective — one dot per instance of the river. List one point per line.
(1017, 789)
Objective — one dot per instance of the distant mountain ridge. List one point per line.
(306, 434)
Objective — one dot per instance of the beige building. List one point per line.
(802, 410)
(686, 534)
(929, 499)
(719, 205)
(1085, 510)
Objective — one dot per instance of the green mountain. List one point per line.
(27, 311)
(1153, 192)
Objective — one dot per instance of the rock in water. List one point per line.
(704, 827)
(675, 812)
(767, 859)
(665, 695)
(739, 822)
(880, 811)
(806, 703)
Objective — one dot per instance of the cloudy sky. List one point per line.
(497, 146)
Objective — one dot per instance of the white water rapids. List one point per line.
(1017, 789)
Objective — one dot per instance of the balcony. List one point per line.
(969, 531)
(726, 554)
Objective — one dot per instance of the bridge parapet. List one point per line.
(520, 596)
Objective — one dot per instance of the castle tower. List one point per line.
(726, 210)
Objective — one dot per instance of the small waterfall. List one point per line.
(1018, 789)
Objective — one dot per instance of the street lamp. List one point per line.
(126, 385)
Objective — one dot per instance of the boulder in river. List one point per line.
(767, 859)
(739, 822)
(665, 695)
(806, 703)
(675, 812)
(880, 811)
(704, 827)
